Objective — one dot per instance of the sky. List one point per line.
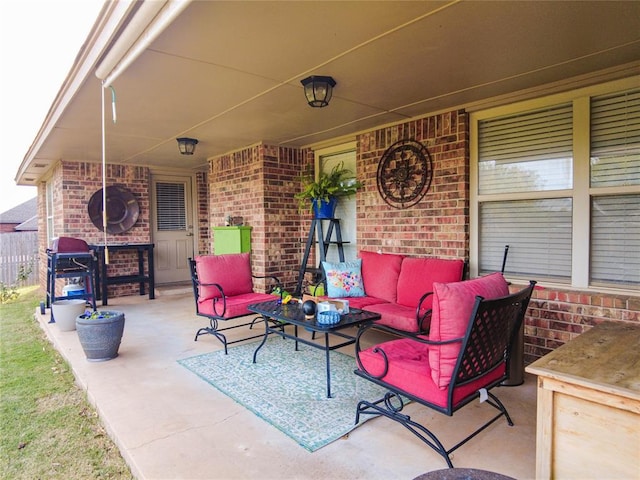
(39, 40)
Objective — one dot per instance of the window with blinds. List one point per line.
(615, 162)
(538, 233)
(615, 239)
(526, 166)
(171, 210)
(615, 139)
(531, 152)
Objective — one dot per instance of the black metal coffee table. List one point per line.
(291, 313)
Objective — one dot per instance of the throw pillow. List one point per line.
(344, 279)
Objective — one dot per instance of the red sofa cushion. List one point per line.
(396, 316)
(380, 272)
(231, 271)
(417, 276)
(410, 371)
(363, 303)
(452, 306)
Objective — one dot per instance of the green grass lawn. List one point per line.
(47, 427)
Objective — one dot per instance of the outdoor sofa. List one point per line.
(398, 287)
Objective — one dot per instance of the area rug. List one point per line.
(288, 388)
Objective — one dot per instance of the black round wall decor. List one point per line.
(122, 209)
(404, 173)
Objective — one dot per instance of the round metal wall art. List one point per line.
(122, 209)
(404, 173)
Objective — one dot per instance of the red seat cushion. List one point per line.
(236, 305)
(396, 316)
(452, 307)
(380, 272)
(410, 371)
(417, 276)
(362, 303)
(231, 271)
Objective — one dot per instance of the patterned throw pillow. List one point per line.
(344, 279)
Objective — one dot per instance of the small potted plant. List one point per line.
(100, 333)
(321, 195)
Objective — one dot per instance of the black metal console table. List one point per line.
(102, 275)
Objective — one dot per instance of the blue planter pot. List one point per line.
(322, 209)
(100, 337)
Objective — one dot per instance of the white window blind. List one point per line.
(615, 239)
(531, 151)
(615, 139)
(170, 206)
(538, 233)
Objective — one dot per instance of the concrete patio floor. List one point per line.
(169, 424)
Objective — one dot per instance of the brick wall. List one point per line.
(73, 185)
(556, 316)
(438, 225)
(202, 214)
(258, 184)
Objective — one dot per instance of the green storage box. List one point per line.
(231, 240)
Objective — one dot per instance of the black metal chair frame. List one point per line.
(485, 347)
(220, 308)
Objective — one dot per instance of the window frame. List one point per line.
(49, 211)
(581, 193)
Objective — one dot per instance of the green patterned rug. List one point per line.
(288, 388)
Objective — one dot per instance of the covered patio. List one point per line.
(168, 423)
(439, 74)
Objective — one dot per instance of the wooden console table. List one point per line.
(102, 275)
(589, 406)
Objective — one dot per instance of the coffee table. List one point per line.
(291, 313)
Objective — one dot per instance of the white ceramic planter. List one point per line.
(65, 312)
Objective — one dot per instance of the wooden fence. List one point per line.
(19, 253)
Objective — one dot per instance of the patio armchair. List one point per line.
(464, 356)
(223, 289)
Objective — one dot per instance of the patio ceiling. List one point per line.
(228, 72)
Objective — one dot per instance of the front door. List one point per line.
(173, 232)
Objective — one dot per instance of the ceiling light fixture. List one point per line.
(187, 145)
(318, 90)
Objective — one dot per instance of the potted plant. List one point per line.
(100, 333)
(321, 195)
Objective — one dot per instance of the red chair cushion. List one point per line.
(410, 371)
(231, 271)
(418, 274)
(380, 272)
(236, 305)
(452, 307)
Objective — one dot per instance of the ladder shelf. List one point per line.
(317, 236)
